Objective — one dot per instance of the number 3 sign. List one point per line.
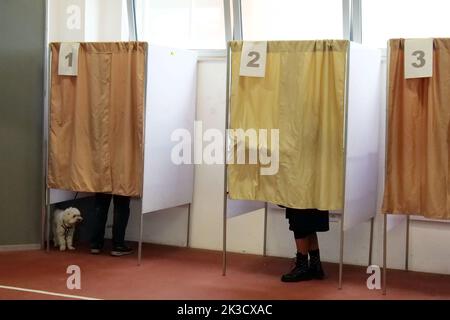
(253, 59)
(418, 58)
(68, 59)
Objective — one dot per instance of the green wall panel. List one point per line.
(22, 35)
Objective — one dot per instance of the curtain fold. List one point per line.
(418, 135)
(96, 120)
(302, 95)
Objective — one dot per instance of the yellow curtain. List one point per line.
(302, 95)
(418, 135)
(96, 120)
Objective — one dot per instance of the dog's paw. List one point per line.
(71, 248)
(62, 248)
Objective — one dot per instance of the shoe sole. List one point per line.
(120, 254)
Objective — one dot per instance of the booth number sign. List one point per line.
(418, 58)
(253, 59)
(68, 59)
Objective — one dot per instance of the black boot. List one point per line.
(315, 266)
(300, 272)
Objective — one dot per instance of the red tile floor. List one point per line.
(180, 273)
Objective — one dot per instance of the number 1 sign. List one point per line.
(253, 59)
(68, 59)
(418, 58)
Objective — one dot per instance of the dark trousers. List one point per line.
(120, 221)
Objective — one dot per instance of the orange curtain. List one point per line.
(418, 152)
(96, 120)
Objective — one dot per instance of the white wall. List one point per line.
(101, 20)
(58, 15)
(104, 20)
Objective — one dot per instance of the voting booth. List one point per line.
(116, 111)
(290, 84)
(417, 134)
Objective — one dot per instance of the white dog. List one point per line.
(64, 222)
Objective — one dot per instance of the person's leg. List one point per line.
(313, 242)
(315, 265)
(121, 216)
(102, 202)
(303, 245)
(301, 271)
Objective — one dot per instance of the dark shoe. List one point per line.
(121, 251)
(317, 272)
(300, 272)
(315, 266)
(96, 249)
(296, 275)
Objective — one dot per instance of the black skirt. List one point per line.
(304, 222)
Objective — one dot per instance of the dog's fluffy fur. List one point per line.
(64, 222)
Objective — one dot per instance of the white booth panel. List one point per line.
(363, 116)
(170, 105)
(274, 207)
(240, 207)
(57, 196)
(393, 221)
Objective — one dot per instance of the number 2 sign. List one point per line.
(253, 59)
(418, 58)
(68, 59)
